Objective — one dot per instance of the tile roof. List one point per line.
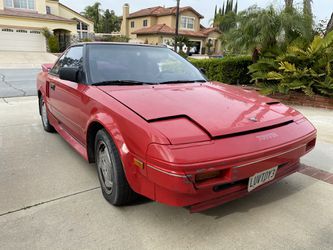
(207, 31)
(165, 29)
(31, 14)
(162, 11)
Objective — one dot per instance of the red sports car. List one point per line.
(155, 126)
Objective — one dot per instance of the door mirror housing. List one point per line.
(69, 74)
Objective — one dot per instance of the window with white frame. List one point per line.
(20, 4)
(187, 22)
(82, 30)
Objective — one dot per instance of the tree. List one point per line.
(269, 30)
(110, 22)
(94, 12)
(289, 4)
(226, 18)
(307, 8)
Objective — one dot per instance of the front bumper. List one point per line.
(177, 187)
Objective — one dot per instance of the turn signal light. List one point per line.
(207, 176)
(139, 163)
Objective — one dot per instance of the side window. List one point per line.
(72, 59)
(58, 65)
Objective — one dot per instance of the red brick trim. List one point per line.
(300, 99)
(296, 98)
(316, 173)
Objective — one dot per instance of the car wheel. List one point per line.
(45, 116)
(115, 187)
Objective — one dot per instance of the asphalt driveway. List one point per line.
(50, 199)
(18, 82)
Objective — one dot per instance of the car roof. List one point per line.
(118, 43)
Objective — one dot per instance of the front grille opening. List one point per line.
(273, 103)
(311, 145)
(255, 130)
(222, 187)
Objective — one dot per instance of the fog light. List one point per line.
(207, 176)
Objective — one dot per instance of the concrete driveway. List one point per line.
(24, 60)
(18, 72)
(18, 82)
(50, 199)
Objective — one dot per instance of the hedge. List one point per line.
(231, 70)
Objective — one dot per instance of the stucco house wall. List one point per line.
(61, 20)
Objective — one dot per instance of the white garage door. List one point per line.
(21, 40)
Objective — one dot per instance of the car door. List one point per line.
(67, 99)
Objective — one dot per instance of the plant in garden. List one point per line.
(308, 70)
(52, 41)
(232, 70)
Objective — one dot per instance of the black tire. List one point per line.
(45, 116)
(111, 175)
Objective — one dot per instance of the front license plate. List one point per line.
(261, 178)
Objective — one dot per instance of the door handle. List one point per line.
(52, 86)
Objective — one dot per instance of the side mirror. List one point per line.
(203, 71)
(47, 67)
(69, 74)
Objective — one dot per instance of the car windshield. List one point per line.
(120, 64)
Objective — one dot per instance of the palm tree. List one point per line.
(268, 29)
(256, 28)
(307, 7)
(225, 19)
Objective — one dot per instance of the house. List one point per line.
(22, 22)
(157, 25)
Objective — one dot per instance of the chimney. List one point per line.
(124, 24)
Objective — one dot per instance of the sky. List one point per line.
(321, 8)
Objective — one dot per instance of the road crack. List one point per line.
(5, 101)
(48, 201)
(3, 79)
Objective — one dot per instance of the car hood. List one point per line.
(215, 108)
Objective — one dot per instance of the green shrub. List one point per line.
(183, 54)
(53, 44)
(308, 70)
(87, 40)
(232, 70)
(117, 39)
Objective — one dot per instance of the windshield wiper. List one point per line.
(183, 81)
(121, 82)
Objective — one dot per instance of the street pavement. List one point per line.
(18, 82)
(50, 199)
